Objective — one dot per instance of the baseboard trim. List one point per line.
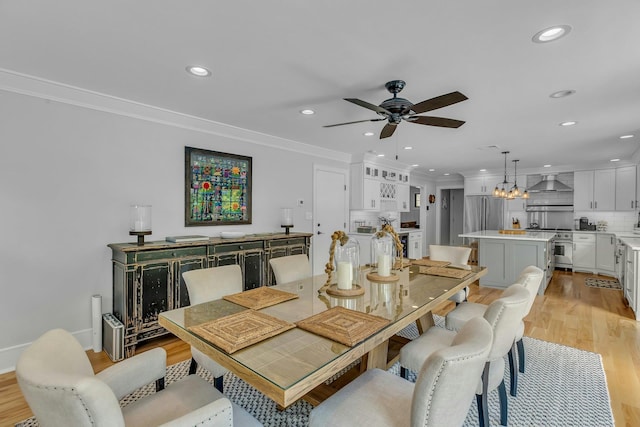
(9, 356)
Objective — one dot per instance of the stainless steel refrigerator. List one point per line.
(483, 213)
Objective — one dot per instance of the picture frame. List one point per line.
(217, 188)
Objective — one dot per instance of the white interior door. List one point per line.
(330, 211)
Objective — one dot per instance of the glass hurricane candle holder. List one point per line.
(140, 222)
(347, 262)
(383, 253)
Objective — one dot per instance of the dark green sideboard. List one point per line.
(148, 280)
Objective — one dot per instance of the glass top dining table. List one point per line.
(288, 366)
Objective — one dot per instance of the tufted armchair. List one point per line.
(57, 380)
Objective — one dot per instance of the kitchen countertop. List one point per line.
(540, 236)
(632, 242)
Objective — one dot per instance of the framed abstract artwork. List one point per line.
(217, 188)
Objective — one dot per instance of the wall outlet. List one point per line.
(300, 202)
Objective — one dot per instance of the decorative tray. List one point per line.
(445, 272)
(261, 297)
(237, 331)
(345, 326)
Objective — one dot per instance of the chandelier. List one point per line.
(513, 190)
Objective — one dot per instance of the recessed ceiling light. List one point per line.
(368, 134)
(380, 155)
(569, 123)
(414, 166)
(307, 112)
(483, 170)
(198, 71)
(562, 93)
(626, 136)
(546, 166)
(446, 174)
(552, 33)
(614, 160)
(408, 148)
(432, 170)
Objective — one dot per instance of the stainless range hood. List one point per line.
(549, 183)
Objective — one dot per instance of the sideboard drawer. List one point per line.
(143, 256)
(237, 247)
(297, 241)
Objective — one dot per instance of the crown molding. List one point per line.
(27, 85)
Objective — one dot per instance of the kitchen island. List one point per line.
(506, 255)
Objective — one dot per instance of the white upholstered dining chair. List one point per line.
(531, 278)
(458, 256)
(208, 284)
(441, 395)
(58, 383)
(290, 268)
(503, 315)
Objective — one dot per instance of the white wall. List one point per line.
(68, 174)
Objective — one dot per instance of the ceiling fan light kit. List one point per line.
(395, 110)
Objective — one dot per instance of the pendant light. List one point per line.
(514, 191)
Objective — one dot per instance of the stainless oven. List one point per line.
(563, 249)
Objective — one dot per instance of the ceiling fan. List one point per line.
(395, 110)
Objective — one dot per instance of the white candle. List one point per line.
(384, 265)
(345, 275)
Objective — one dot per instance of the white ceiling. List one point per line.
(270, 59)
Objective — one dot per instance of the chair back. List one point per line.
(531, 278)
(58, 383)
(208, 284)
(505, 315)
(457, 255)
(448, 379)
(290, 268)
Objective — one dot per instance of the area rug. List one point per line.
(602, 283)
(562, 386)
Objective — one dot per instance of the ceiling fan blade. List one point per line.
(350, 123)
(368, 105)
(388, 130)
(438, 102)
(436, 121)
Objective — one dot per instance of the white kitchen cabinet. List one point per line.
(630, 279)
(626, 188)
(594, 190)
(481, 184)
(415, 245)
(606, 254)
(365, 194)
(403, 197)
(516, 205)
(365, 190)
(584, 252)
(637, 186)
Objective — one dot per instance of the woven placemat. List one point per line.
(445, 272)
(429, 262)
(345, 326)
(236, 331)
(261, 297)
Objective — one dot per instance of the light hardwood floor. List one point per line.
(569, 313)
